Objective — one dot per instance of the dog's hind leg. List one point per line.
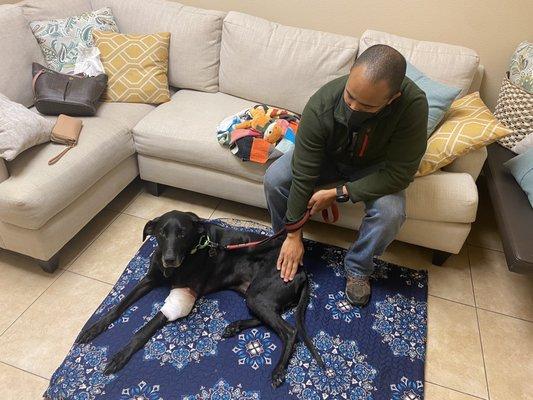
(240, 325)
(144, 286)
(141, 337)
(268, 313)
(300, 324)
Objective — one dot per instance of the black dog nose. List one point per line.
(169, 259)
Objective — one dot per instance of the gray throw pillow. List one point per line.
(20, 128)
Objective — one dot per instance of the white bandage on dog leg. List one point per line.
(178, 303)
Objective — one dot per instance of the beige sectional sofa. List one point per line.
(219, 64)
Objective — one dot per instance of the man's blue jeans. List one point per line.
(383, 219)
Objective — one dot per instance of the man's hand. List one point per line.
(321, 200)
(291, 255)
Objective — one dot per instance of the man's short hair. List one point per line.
(382, 62)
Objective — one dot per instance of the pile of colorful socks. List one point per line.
(259, 133)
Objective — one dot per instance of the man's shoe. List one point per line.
(358, 290)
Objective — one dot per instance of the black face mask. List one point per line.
(355, 119)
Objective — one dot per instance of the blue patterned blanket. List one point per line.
(376, 352)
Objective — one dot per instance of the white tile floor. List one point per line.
(480, 328)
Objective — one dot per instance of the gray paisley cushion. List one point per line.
(60, 38)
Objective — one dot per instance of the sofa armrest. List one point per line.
(4, 173)
(470, 163)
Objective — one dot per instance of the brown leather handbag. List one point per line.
(55, 93)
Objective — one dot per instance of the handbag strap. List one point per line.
(34, 80)
(55, 159)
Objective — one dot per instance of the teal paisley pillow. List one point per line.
(60, 38)
(521, 67)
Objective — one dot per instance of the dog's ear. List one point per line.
(195, 218)
(197, 221)
(149, 228)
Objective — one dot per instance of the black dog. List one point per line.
(181, 261)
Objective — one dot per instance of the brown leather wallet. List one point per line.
(66, 131)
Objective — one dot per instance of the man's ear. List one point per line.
(394, 97)
(149, 228)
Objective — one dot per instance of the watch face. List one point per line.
(342, 199)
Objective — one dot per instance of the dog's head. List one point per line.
(177, 233)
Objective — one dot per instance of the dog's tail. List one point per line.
(300, 323)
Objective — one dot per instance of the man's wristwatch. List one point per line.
(341, 197)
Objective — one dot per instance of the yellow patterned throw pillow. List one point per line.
(468, 125)
(136, 66)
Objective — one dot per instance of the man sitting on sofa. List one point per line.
(366, 131)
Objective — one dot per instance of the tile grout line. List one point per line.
(23, 370)
(506, 315)
(33, 302)
(216, 208)
(90, 277)
(453, 301)
(64, 269)
(456, 390)
(479, 246)
(478, 326)
(135, 216)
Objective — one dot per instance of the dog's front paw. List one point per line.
(89, 334)
(278, 376)
(231, 330)
(116, 363)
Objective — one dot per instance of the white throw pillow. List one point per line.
(20, 128)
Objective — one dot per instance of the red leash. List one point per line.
(290, 228)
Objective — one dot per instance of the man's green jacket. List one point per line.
(396, 138)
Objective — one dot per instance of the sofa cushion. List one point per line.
(127, 114)
(444, 197)
(184, 130)
(452, 65)
(194, 37)
(20, 49)
(279, 65)
(36, 191)
(47, 9)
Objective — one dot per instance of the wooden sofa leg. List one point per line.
(440, 257)
(51, 265)
(154, 188)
